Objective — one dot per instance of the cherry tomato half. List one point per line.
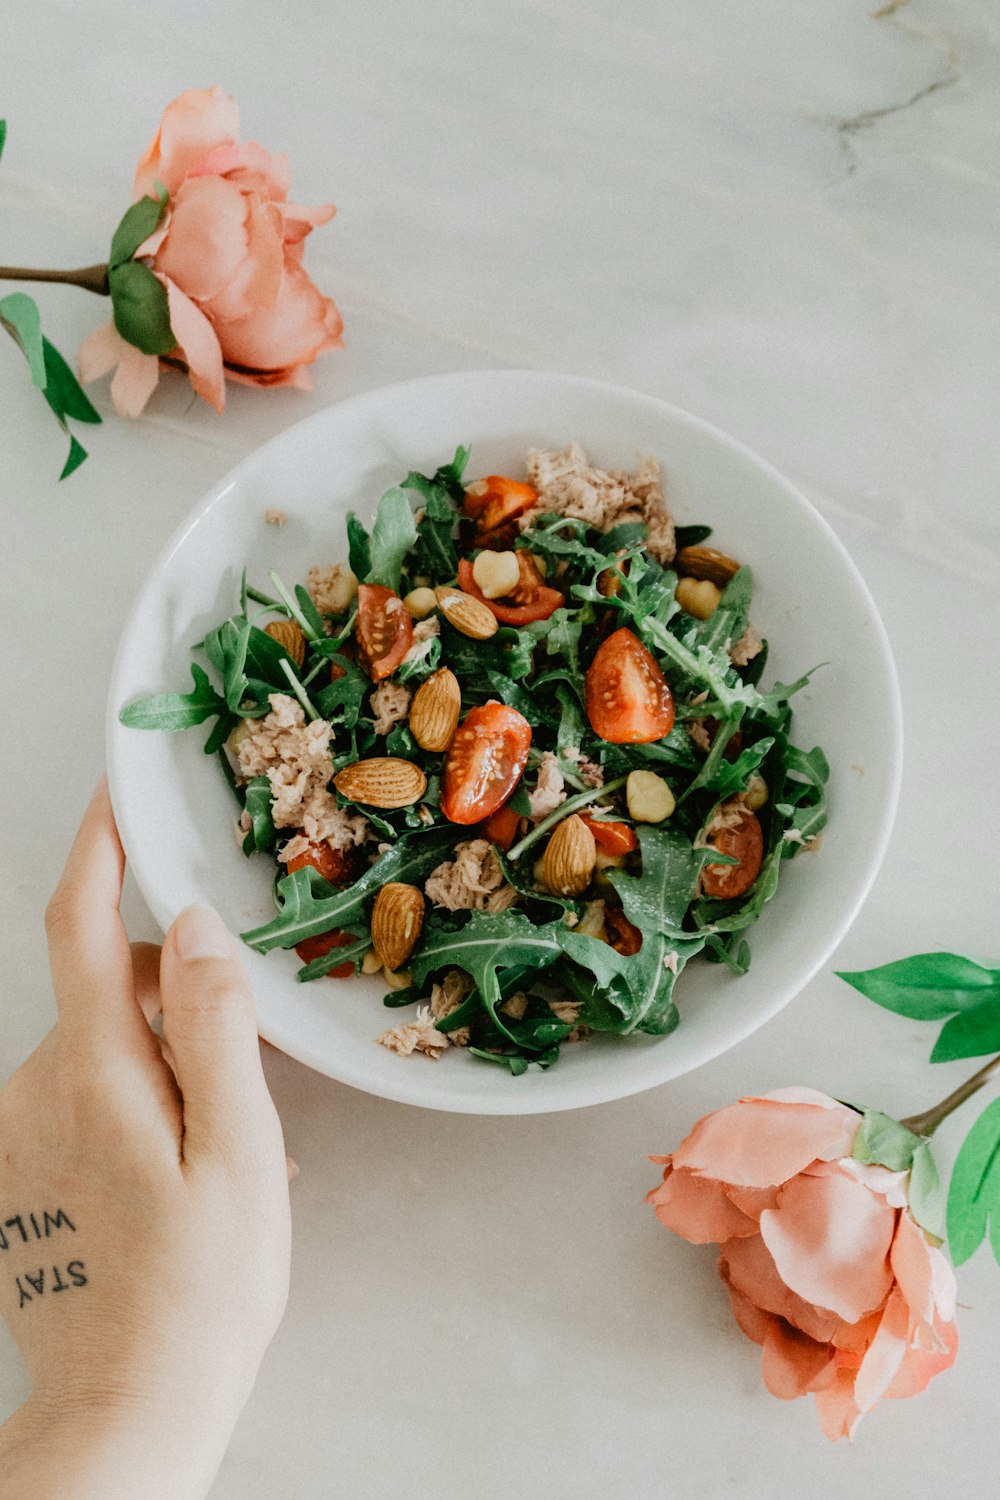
(495, 500)
(612, 837)
(323, 943)
(501, 827)
(542, 602)
(485, 762)
(624, 935)
(628, 699)
(384, 629)
(744, 840)
(335, 865)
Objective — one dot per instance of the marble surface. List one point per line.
(783, 217)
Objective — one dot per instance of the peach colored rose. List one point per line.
(229, 253)
(824, 1264)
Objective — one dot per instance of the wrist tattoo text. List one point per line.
(25, 1229)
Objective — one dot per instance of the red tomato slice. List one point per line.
(744, 840)
(384, 629)
(625, 936)
(335, 865)
(325, 942)
(485, 762)
(495, 500)
(612, 837)
(543, 603)
(628, 699)
(501, 827)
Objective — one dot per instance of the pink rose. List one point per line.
(229, 254)
(824, 1264)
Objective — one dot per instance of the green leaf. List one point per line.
(884, 1141)
(434, 552)
(691, 536)
(350, 953)
(172, 711)
(925, 1192)
(261, 835)
(137, 225)
(392, 537)
(358, 547)
(139, 305)
(970, 1033)
(657, 900)
(309, 905)
(20, 316)
(63, 391)
(74, 458)
(49, 371)
(926, 987)
(974, 1193)
(3, 135)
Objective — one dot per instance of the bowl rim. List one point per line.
(535, 1102)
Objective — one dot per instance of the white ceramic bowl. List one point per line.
(176, 813)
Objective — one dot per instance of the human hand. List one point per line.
(144, 1218)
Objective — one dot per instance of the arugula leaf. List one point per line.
(350, 953)
(434, 551)
(392, 537)
(657, 900)
(172, 711)
(933, 986)
(358, 547)
(691, 536)
(884, 1141)
(262, 835)
(974, 1192)
(731, 776)
(309, 905)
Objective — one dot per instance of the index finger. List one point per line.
(88, 949)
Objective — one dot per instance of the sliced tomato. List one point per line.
(323, 943)
(543, 603)
(335, 865)
(612, 837)
(484, 762)
(496, 500)
(628, 699)
(384, 629)
(624, 935)
(501, 826)
(744, 840)
(530, 579)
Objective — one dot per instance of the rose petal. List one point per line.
(911, 1264)
(206, 245)
(793, 1363)
(830, 1239)
(299, 325)
(194, 123)
(250, 167)
(258, 281)
(885, 1353)
(299, 220)
(752, 1201)
(134, 381)
(921, 1365)
(835, 1406)
(698, 1209)
(759, 1142)
(197, 342)
(746, 1264)
(753, 1320)
(297, 376)
(100, 352)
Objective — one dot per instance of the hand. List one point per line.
(144, 1219)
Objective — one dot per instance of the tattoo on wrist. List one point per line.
(23, 1229)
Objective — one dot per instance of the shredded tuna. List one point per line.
(418, 1035)
(472, 881)
(699, 735)
(446, 997)
(295, 758)
(275, 517)
(746, 648)
(328, 588)
(390, 705)
(571, 486)
(567, 1011)
(515, 1007)
(424, 632)
(243, 827)
(591, 773)
(550, 789)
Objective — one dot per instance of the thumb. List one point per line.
(210, 1025)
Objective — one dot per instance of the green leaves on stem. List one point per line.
(19, 315)
(138, 299)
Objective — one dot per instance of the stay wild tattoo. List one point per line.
(26, 1228)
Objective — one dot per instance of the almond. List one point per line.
(705, 562)
(435, 709)
(289, 635)
(397, 920)
(385, 781)
(567, 865)
(468, 615)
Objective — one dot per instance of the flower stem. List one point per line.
(91, 278)
(927, 1122)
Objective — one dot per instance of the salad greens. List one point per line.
(552, 953)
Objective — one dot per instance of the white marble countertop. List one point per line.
(781, 216)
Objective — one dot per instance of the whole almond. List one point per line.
(706, 563)
(385, 781)
(567, 866)
(289, 635)
(397, 920)
(435, 709)
(468, 615)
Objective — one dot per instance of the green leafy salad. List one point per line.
(515, 755)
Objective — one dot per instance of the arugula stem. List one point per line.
(294, 610)
(265, 599)
(928, 1121)
(593, 794)
(297, 688)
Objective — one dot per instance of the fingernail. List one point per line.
(199, 933)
